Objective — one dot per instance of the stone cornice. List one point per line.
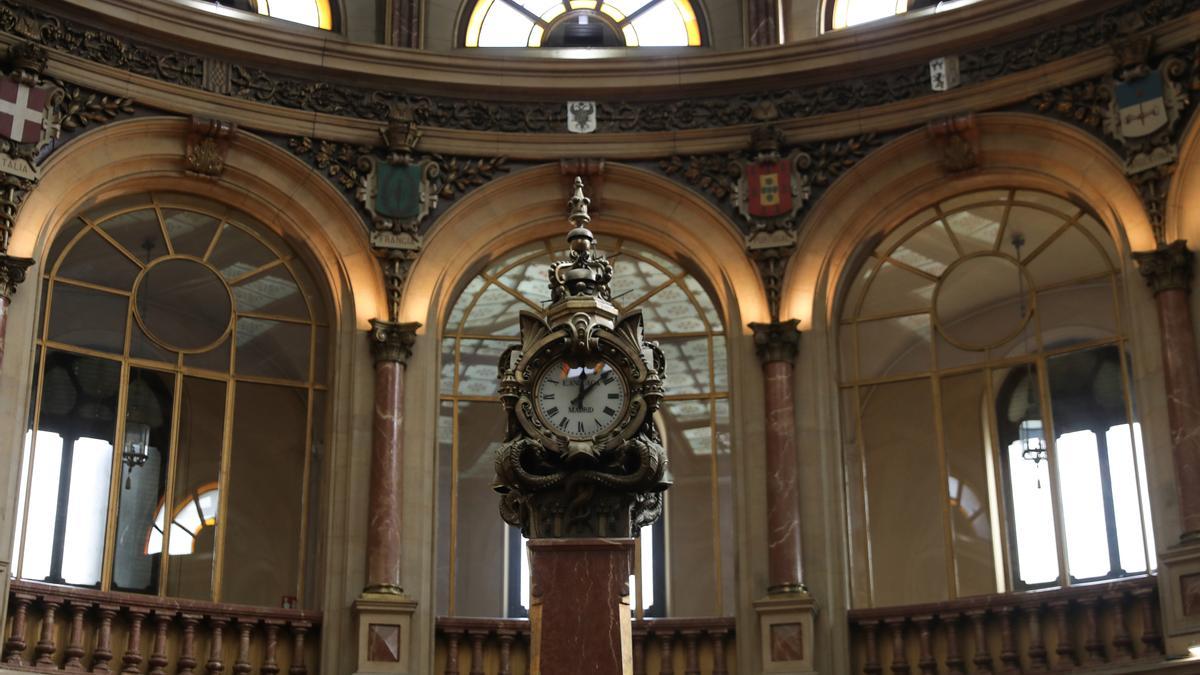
(199, 27)
(998, 93)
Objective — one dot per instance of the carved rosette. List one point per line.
(777, 340)
(606, 485)
(1168, 267)
(391, 341)
(12, 274)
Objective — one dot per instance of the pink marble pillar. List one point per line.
(1168, 271)
(391, 345)
(579, 618)
(777, 343)
(12, 273)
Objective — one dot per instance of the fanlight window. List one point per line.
(315, 13)
(989, 425)
(482, 568)
(848, 13)
(171, 328)
(583, 23)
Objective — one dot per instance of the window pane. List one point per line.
(264, 504)
(191, 232)
(479, 539)
(139, 233)
(1126, 501)
(197, 468)
(273, 291)
(83, 537)
(692, 536)
(504, 26)
(144, 457)
(87, 318)
(43, 507)
(904, 495)
(273, 349)
(93, 259)
(1083, 504)
(1033, 517)
(969, 467)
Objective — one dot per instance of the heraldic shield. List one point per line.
(769, 189)
(22, 110)
(1141, 106)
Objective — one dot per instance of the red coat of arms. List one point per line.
(22, 111)
(769, 189)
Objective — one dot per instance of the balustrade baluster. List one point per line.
(1093, 645)
(74, 649)
(927, 663)
(158, 655)
(720, 667)
(44, 649)
(133, 648)
(102, 654)
(692, 652)
(477, 637)
(270, 665)
(899, 656)
(1008, 647)
(639, 651)
(14, 646)
(667, 666)
(1151, 638)
(983, 657)
(299, 630)
(452, 653)
(871, 665)
(187, 651)
(1122, 642)
(217, 629)
(506, 637)
(1066, 641)
(954, 661)
(1037, 643)
(242, 665)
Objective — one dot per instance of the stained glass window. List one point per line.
(315, 13)
(582, 23)
(848, 13)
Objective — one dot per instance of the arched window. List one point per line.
(170, 328)
(986, 393)
(481, 562)
(582, 23)
(846, 13)
(315, 13)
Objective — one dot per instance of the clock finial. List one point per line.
(586, 273)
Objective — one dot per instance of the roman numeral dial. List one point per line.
(580, 401)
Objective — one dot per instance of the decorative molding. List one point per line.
(1145, 128)
(12, 274)
(1168, 267)
(957, 139)
(777, 341)
(207, 145)
(771, 262)
(391, 341)
(903, 83)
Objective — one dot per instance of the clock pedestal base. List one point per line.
(579, 607)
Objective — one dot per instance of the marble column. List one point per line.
(777, 344)
(579, 618)
(1168, 271)
(12, 273)
(391, 346)
(405, 23)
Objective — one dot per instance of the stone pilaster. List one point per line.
(12, 273)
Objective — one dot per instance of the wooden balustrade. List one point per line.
(61, 628)
(1070, 629)
(660, 647)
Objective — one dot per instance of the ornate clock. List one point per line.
(582, 456)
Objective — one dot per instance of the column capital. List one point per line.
(1168, 267)
(777, 340)
(12, 273)
(391, 341)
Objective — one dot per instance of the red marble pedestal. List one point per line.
(579, 607)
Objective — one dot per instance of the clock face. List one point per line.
(580, 402)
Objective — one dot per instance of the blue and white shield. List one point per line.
(1141, 107)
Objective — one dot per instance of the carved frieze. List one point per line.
(904, 82)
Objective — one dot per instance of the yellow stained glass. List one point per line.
(511, 23)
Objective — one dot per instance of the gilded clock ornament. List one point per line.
(582, 456)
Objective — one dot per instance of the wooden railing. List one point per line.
(660, 647)
(1072, 629)
(60, 628)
